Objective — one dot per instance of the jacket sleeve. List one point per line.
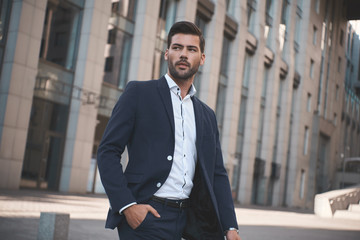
(222, 190)
(116, 136)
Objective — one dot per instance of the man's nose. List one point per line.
(184, 53)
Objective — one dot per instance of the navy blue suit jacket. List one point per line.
(142, 120)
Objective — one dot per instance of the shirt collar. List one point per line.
(172, 84)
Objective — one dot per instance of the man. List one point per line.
(175, 184)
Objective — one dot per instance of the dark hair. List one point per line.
(186, 28)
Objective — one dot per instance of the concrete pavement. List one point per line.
(20, 212)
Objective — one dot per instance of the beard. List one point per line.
(183, 75)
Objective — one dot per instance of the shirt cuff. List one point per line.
(129, 205)
(232, 229)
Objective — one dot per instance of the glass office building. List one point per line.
(282, 77)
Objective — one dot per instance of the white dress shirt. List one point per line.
(179, 183)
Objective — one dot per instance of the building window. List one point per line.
(112, 36)
(201, 23)
(311, 68)
(124, 8)
(227, 4)
(352, 44)
(347, 73)
(241, 123)
(297, 28)
(230, 7)
(239, 142)
(314, 35)
(283, 22)
(167, 16)
(125, 61)
(262, 112)
(61, 34)
(120, 37)
(337, 92)
(225, 54)
(5, 7)
(223, 82)
(306, 140)
(297, 38)
(341, 37)
(246, 70)
(117, 65)
(348, 40)
(276, 137)
(323, 35)
(243, 109)
(277, 124)
(260, 130)
(335, 119)
(46, 137)
(251, 8)
(265, 83)
(302, 184)
(279, 99)
(339, 64)
(268, 19)
(317, 6)
(308, 102)
(109, 64)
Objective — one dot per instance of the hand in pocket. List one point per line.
(136, 214)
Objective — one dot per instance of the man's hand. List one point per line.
(136, 214)
(232, 235)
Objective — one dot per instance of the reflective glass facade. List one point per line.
(52, 95)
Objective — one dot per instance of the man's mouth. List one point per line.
(183, 64)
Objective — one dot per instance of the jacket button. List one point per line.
(169, 157)
(158, 184)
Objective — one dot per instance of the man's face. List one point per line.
(184, 56)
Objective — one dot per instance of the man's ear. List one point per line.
(166, 54)
(202, 60)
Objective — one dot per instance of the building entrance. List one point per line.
(45, 144)
(322, 183)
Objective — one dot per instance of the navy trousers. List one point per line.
(169, 226)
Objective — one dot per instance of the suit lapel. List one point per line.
(198, 111)
(164, 92)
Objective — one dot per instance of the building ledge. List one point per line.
(269, 57)
(231, 27)
(283, 69)
(297, 80)
(206, 9)
(251, 43)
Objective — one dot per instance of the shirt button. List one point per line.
(169, 157)
(158, 184)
